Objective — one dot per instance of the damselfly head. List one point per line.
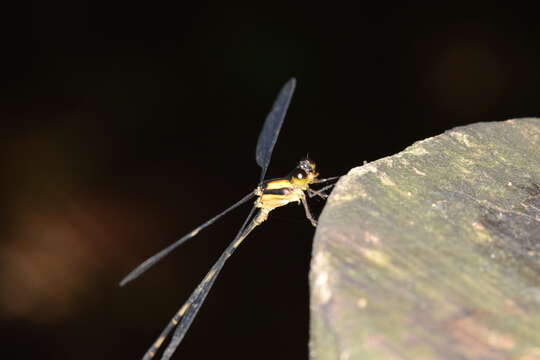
(304, 173)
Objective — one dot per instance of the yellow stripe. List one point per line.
(159, 342)
(278, 184)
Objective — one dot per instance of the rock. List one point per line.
(434, 253)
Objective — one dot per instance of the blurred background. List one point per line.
(124, 126)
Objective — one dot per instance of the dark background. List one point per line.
(126, 125)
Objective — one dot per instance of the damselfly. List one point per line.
(270, 194)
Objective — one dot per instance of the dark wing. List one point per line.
(184, 317)
(135, 273)
(272, 125)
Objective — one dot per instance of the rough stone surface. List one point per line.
(434, 253)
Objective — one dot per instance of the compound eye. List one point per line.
(300, 174)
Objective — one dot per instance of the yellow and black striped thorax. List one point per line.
(299, 179)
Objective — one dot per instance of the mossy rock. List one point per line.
(434, 253)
